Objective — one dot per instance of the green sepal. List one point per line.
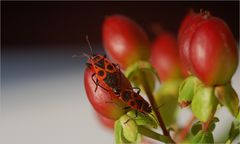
(118, 133)
(129, 128)
(198, 126)
(166, 99)
(204, 103)
(134, 71)
(234, 131)
(203, 137)
(143, 119)
(187, 90)
(227, 96)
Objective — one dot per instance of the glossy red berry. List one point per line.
(124, 40)
(186, 31)
(165, 57)
(209, 49)
(104, 102)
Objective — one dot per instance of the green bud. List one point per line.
(129, 128)
(187, 90)
(118, 133)
(204, 103)
(228, 97)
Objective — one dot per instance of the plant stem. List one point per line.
(149, 133)
(185, 130)
(153, 104)
(206, 124)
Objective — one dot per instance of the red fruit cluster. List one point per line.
(208, 48)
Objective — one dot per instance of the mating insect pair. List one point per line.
(108, 76)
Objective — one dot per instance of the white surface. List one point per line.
(52, 110)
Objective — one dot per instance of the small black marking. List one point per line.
(132, 103)
(126, 96)
(139, 103)
(100, 63)
(146, 107)
(100, 73)
(110, 67)
(111, 80)
(135, 95)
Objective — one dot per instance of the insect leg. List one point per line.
(94, 81)
(97, 83)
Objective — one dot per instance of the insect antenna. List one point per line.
(80, 55)
(89, 44)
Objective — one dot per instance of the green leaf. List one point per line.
(204, 103)
(166, 99)
(129, 128)
(234, 131)
(196, 128)
(227, 96)
(203, 137)
(187, 90)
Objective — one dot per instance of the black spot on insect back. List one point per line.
(100, 73)
(132, 103)
(111, 80)
(126, 96)
(110, 67)
(146, 107)
(100, 63)
(139, 103)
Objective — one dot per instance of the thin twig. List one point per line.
(154, 105)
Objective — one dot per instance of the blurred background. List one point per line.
(42, 94)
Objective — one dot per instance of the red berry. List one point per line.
(213, 52)
(186, 21)
(165, 57)
(104, 102)
(187, 29)
(207, 47)
(124, 40)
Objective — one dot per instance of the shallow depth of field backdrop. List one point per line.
(43, 99)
